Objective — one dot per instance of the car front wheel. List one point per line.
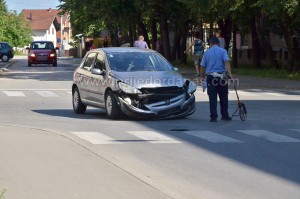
(112, 108)
(78, 106)
(4, 58)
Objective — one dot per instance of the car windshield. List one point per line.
(137, 61)
(42, 45)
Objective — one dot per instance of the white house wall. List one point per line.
(45, 35)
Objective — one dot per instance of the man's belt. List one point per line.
(216, 74)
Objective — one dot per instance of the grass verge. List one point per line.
(266, 72)
(248, 71)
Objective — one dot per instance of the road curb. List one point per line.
(5, 67)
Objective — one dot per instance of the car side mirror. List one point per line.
(97, 71)
(176, 69)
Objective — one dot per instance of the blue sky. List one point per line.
(18, 5)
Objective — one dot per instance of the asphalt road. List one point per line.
(47, 151)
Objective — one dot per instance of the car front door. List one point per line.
(97, 79)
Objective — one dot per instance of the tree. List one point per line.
(13, 27)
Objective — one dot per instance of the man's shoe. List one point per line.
(226, 118)
(213, 120)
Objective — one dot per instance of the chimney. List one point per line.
(30, 16)
(49, 10)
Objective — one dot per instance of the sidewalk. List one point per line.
(248, 82)
(39, 164)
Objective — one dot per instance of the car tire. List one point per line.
(78, 106)
(29, 64)
(113, 110)
(54, 64)
(5, 58)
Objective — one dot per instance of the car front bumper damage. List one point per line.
(176, 107)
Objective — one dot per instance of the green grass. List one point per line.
(266, 72)
(2, 194)
(248, 71)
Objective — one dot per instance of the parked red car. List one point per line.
(42, 52)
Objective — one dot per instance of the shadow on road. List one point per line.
(269, 157)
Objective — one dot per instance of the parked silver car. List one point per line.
(136, 82)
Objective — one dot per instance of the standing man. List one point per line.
(140, 43)
(214, 65)
(198, 51)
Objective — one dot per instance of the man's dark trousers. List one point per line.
(216, 86)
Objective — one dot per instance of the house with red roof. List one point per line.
(49, 25)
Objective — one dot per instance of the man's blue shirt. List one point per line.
(214, 60)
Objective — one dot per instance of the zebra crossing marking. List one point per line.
(96, 138)
(212, 137)
(154, 137)
(270, 136)
(46, 93)
(244, 93)
(14, 93)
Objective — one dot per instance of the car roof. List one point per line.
(4, 42)
(122, 49)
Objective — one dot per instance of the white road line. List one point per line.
(212, 137)
(30, 89)
(96, 138)
(14, 93)
(244, 93)
(270, 136)
(46, 93)
(268, 92)
(298, 130)
(153, 137)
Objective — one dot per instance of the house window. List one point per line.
(52, 31)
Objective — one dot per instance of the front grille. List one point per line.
(153, 95)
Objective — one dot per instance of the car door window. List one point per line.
(99, 62)
(89, 61)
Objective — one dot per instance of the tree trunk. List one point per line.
(265, 44)
(131, 39)
(184, 36)
(234, 50)
(226, 27)
(154, 33)
(164, 30)
(255, 46)
(287, 33)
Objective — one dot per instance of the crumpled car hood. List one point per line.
(150, 79)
